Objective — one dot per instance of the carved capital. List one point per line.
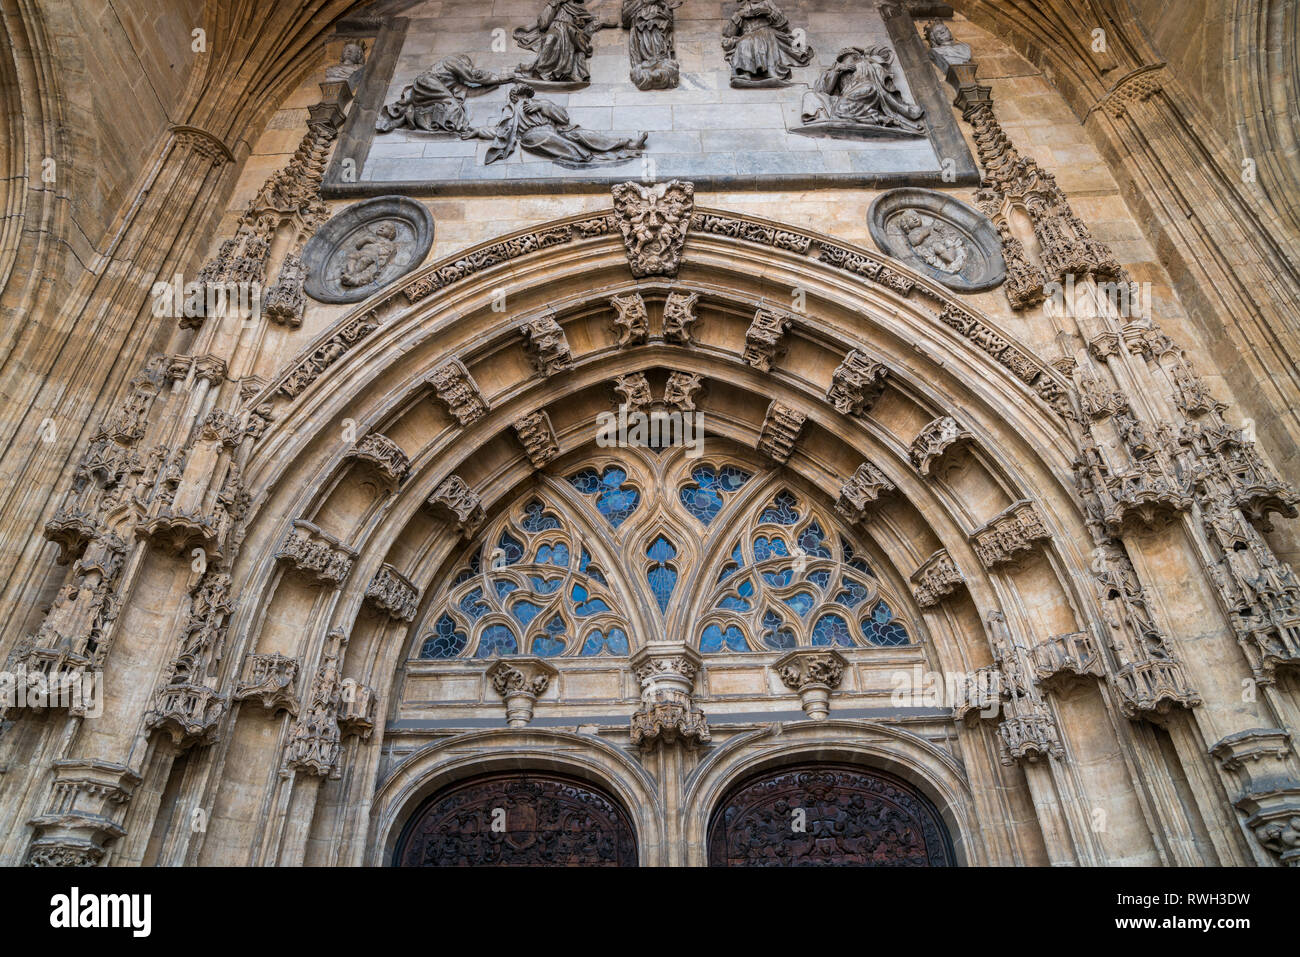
(813, 673)
(781, 428)
(520, 681)
(84, 813)
(667, 714)
(631, 319)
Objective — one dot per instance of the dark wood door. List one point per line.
(827, 814)
(518, 819)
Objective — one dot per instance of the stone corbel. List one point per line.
(813, 673)
(667, 672)
(384, 457)
(537, 436)
(457, 390)
(934, 441)
(861, 492)
(456, 500)
(680, 317)
(857, 383)
(781, 427)
(680, 390)
(1270, 794)
(765, 338)
(631, 319)
(546, 345)
(84, 813)
(1009, 535)
(316, 554)
(1063, 658)
(393, 594)
(937, 578)
(269, 679)
(520, 682)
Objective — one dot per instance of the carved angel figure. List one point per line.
(435, 101)
(561, 38)
(934, 241)
(371, 252)
(859, 90)
(760, 46)
(544, 127)
(650, 46)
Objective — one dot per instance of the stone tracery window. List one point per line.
(624, 548)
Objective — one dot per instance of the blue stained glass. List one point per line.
(821, 578)
(783, 510)
(552, 643)
(544, 586)
(513, 550)
(774, 636)
(881, 629)
(703, 503)
(737, 562)
(475, 566)
(525, 611)
(584, 565)
(745, 591)
(504, 586)
(536, 519)
(614, 643)
(852, 594)
(445, 642)
(497, 640)
(472, 604)
(851, 559)
(802, 603)
(713, 638)
(583, 606)
(703, 498)
(554, 554)
(661, 576)
(813, 541)
(765, 548)
(779, 579)
(832, 630)
(614, 500)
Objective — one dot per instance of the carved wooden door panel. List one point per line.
(518, 819)
(827, 814)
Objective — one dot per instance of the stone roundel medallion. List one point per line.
(938, 236)
(365, 247)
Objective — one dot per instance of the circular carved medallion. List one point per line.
(520, 819)
(827, 814)
(938, 236)
(366, 247)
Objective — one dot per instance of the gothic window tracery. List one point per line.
(640, 544)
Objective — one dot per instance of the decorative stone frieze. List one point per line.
(457, 390)
(861, 492)
(546, 345)
(631, 319)
(269, 679)
(393, 593)
(781, 428)
(84, 814)
(316, 554)
(384, 456)
(679, 391)
(520, 682)
(937, 578)
(856, 384)
(310, 368)
(458, 501)
(934, 441)
(667, 713)
(680, 317)
(537, 436)
(763, 339)
(1009, 535)
(653, 221)
(813, 673)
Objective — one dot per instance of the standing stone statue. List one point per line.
(944, 49)
(435, 102)
(859, 94)
(561, 38)
(650, 46)
(760, 46)
(543, 127)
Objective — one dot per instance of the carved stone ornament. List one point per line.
(537, 436)
(1009, 535)
(546, 345)
(861, 492)
(937, 578)
(934, 440)
(667, 714)
(631, 320)
(680, 389)
(456, 499)
(520, 681)
(458, 391)
(393, 593)
(366, 247)
(269, 679)
(814, 673)
(760, 46)
(858, 97)
(856, 384)
(633, 391)
(384, 456)
(680, 317)
(653, 221)
(316, 554)
(781, 428)
(84, 813)
(938, 236)
(764, 338)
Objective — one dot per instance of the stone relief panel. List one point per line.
(938, 236)
(365, 247)
(535, 92)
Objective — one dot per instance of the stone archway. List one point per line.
(827, 814)
(518, 818)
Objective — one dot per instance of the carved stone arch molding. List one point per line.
(478, 753)
(932, 771)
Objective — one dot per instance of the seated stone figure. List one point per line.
(435, 101)
(760, 46)
(543, 127)
(859, 94)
